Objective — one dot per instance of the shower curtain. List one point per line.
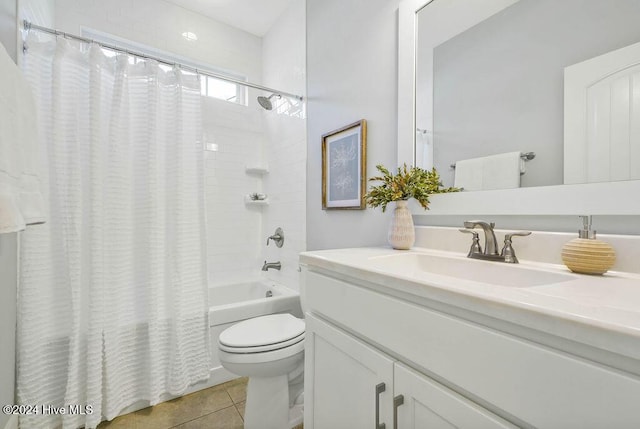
(112, 298)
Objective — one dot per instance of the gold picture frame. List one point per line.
(344, 167)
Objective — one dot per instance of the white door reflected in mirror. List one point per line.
(602, 118)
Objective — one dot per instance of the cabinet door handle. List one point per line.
(379, 389)
(397, 401)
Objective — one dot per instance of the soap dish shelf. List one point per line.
(248, 201)
(258, 170)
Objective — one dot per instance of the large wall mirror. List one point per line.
(534, 102)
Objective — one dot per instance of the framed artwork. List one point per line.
(344, 167)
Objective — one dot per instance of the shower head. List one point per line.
(265, 102)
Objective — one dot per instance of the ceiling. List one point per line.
(253, 16)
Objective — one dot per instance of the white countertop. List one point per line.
(601, 311)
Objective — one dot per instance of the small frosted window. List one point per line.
(209, 86)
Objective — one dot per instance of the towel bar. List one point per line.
(527, 156)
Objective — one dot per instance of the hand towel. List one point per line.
(21, 201)
(501, 171)
(469, 173)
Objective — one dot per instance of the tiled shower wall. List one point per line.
(283, 53)
(234, 230)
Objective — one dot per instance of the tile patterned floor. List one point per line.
(219, 407)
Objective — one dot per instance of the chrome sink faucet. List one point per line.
(490, 252)
(489, 236)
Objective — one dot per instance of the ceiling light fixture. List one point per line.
(190, 36)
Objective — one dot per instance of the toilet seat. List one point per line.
(292, 353)
(262, 334)
(264, 348)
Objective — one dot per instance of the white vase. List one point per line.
(402, 234)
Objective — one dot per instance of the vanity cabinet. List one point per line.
(356, 386)
(451, 371)
(352, 383)
(424, 403)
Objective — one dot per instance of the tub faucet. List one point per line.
(269, 265)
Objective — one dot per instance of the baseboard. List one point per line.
(12, 423)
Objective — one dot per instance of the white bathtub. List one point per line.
(232, 303)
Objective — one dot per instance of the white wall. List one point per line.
(283, 53)
(40, 12)
(8, 26)
(351, 75)
(8, 253)
(8, 282)
(160, 24)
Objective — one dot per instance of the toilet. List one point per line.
(270, 351)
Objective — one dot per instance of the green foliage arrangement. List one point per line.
(408, 183)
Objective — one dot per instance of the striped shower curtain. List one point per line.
(112, 298)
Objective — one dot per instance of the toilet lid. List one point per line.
(263, 331)
(262, 349)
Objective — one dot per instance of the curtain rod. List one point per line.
(28, 26)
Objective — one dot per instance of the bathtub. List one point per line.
(232, 303)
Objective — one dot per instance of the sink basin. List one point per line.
(495, 273)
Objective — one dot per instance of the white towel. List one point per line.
(500, 171)
(21, 201)
(469, 174)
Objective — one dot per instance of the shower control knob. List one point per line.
(277, 238)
